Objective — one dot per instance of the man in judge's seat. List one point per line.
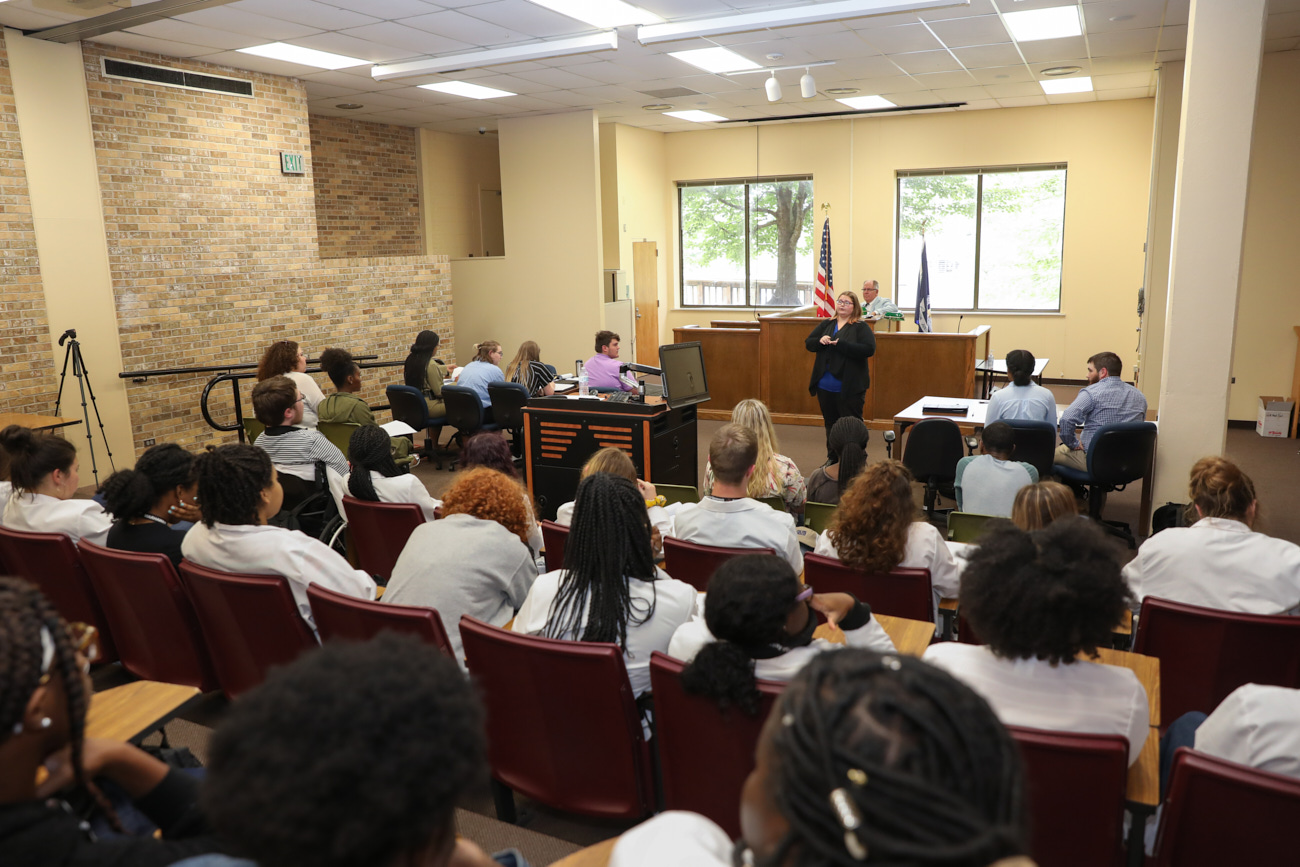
(602, 368)
(1106, 399)
(873, 306)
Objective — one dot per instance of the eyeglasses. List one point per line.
(805, 594)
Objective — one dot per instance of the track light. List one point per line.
(773, 89)
(807, 87)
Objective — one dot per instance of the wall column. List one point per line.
(1224, 46)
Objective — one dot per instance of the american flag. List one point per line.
(824, 288)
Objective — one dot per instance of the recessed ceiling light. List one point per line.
(1061, 70)
(775, 55)
(601, 13)
(841, 91)
(349, 106)
(304, 56)
(862, 103)
(1118, 18)
(715, 59)
(1082, 84)
(1034, 24)
(464, 88)
(657, 106)
(695, 116)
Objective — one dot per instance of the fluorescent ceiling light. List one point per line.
(464, 88)
(304, 56)
(696, 116)
(601, 13)
(807, 13)
(1083, 84)
(864, 103)
(1034, 24)
(603, 41)
(715, 59)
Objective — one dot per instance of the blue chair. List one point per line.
(1118, 454)
(407, 404)
(1035, 444)
(465, 412)
(508, 402)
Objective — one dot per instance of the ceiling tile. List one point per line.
(576, 100)
(984, 30)
(1015, 88)
(192, 34)
(31, 19)
(237, 21)
(671, 9)
(260, 64)
(1173, 38)
(1002, 74)
(1177, 11)
(961, 94)
(126, 39)
(1162, 56)
(982, 56)
(898, 40)
(605, 72)
(1062, 98)
(1286, 44)
(1123, 81)
(419, 42)
(343, 78)
(527, 18)
(844, 45)
(463, 28)
(861, 67)
(926, 61)
(1120, 42)
(322, 15)
(1116, 65)
(318, 90)
(351, 46)
(976, 7)
(979, 105)
(387, 9)
(1020, 101)
(880, 22)
(1054, 49)
(560, 78)
(1280, 25)
(1130, 93)
(1136, 15)
(934, 80)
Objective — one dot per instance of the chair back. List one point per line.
(1075, 786)
(898, 593)
(705, 752)
(562, 722)
(775, 502)
(508, 402)
(250, 623)
(695, 564)
(966, 526)
(1206, 654)
(1218, 811)
(1121, 453)
(152, 618)
(818, 515)
(52, 563)
(379, 531)
(678, 493)
(338, 433)
(407, 404)
(252, 429)
(346, 618)
(1035, 444)
(464, 410)
(554, 538)
(934, 446)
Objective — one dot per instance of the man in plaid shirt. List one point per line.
(1106, 399)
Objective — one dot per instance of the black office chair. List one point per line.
(934, 446)
(407, 404)
(1035, 444)
(1118, 454)
(465, 412)
(508, 401)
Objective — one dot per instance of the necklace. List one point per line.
(157, 520)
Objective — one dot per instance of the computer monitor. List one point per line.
(683, 375)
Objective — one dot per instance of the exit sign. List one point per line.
(291, 164)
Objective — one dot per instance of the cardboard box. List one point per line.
(1274, 418)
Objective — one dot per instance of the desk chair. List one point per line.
(899, 593)
(695, 564)
(554, 538)
(678, 493)
(338, 433)
(934, 446)
(775, 502)
(1035, 444)
(1117, 455)
(966, 526)
(346, 618)
(508, 402)
(252, 429)
(818, 516)
(407, 404)
(379, 532)
(465, 413)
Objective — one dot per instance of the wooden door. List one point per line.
(645, 283)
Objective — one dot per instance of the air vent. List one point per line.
(671, 92)
(177, 78)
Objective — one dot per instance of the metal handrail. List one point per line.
(142, 375)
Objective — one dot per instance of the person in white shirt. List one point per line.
(1219, 562)
(726, 518)
(44, 472)
(875, 530)
(609, 589)
(1043, 602)
(866, 757)
(375, 476)
(987, 483)
(1023, 398)
(238, 493)
(1255, 725)
(873, 305)
(616, 462)
(287, 358)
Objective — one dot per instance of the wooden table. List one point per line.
(1143, 790)
(132, 712)
(35, 422)
(596, 855)
(910, 637)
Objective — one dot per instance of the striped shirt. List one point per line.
(298, 449)
(1106, 401)
(538, 375)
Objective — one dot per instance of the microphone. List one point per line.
(959, 319)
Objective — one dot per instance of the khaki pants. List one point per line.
(1076, 458)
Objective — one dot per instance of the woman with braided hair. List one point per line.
(44, 693)
(847, 440)
(43, 469)
(148, 500)
(609, 589)
(867, 758)
(375, 476)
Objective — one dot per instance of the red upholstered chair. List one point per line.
(379, 531)
(338, 615)
(250, 623)
(51, 562)
(899, 593)
(1219, 812)
(1206, 654)
(152, 617)
(695, 564)
(554, 538)
(705, 753)
(562, 723)
(1075, 787)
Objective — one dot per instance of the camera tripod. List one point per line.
(73, 354)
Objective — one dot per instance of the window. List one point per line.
(746, 243)
(992, 237)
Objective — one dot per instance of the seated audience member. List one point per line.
(6, 486)
(345, 406)
(1042, 601)
(277, 403)
(728, 517)
(866, 758)
(490, 450)
(874, 305)
(609, 589)
(1106, 399)
(1258, 726)
(238, 493)
(1219, 562)
(482, 372)
(987, 483)
(474, 561)
(1023, 399)
(147, 501)
(775, 475)
(527, 370)
(1040, 504)
(375, 476)
(421, 370)
(45, 690)
(875, 529)
(286, 358)
(758, 623)
(356, 754)
(602, 368)
(43, 469)
(616, 462)
(848, 440)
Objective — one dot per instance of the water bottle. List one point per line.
(583, 379)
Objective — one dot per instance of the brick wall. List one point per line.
(28, 379)
(367, 188)
(213, 251)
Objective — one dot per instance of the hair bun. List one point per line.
(16, 438)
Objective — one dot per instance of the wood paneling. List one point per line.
(731, 364)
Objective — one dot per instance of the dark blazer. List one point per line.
(847, 359)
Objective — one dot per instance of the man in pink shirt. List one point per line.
(602, 368)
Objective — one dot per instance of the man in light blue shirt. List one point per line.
(1023, 398)
(1106, 399)
(987, 483)
(873, 306)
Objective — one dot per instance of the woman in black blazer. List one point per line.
(839, 375)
